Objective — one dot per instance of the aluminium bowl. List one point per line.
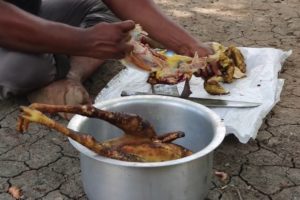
(187, 178)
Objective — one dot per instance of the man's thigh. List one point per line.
(82, 13)
(21, 72)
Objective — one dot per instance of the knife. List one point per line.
(204, 101)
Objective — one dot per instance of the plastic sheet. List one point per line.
(261, 85)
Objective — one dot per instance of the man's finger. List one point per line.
(126, 38)
(126, 25)
(128, 48)
(152, 43)
(124, 50)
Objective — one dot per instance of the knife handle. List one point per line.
(129, 93)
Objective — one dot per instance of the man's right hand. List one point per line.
(22, 31)
(107, 40)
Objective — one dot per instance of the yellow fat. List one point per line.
(175, 59)
(217, 47)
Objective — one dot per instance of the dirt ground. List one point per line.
(45, 166)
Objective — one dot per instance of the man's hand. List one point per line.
(204, 50)
(162, 29)
(107, 41)
(22, 31)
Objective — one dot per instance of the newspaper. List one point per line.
(261, 85)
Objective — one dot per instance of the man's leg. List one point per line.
(82, 67)
(82, 13)
(22, 72)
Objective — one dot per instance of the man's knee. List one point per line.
(70, 12)
(84, 13)
(21, 72)
(98, 13)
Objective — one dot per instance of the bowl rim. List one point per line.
(219, 135)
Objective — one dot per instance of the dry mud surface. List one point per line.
(45, 166)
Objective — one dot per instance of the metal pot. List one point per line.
(182, 179)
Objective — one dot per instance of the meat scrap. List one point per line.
(170, 68)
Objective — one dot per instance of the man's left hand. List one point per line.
(204, 50)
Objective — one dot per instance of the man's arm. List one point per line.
(22, 31)
(25, 32)
(158, 25)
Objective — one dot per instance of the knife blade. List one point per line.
(204, 101)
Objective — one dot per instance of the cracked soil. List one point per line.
(45, 166)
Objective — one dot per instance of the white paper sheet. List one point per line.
(260, 85)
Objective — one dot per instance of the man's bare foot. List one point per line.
(62, 92)
(68, 91)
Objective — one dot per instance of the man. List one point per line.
(48, 47)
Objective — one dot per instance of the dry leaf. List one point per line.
(222, 176)
(15, 192)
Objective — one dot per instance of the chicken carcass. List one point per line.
(135, 145)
